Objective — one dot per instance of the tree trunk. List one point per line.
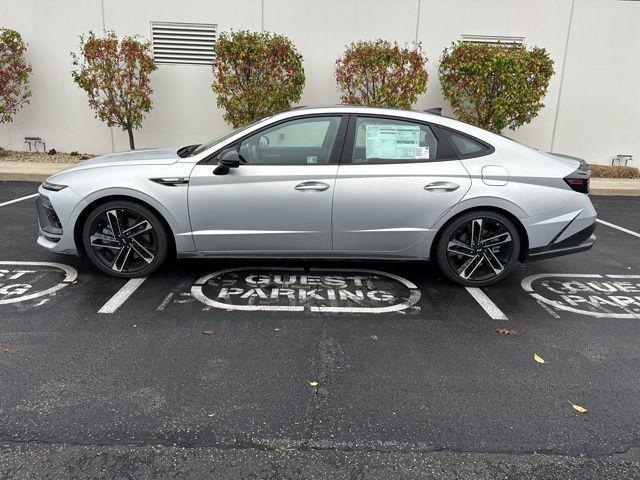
(131, 143)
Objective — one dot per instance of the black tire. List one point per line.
(118, 253)
(483, 260)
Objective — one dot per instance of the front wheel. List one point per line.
(478, 248)
(125, 239)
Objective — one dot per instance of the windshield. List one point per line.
(196, 149)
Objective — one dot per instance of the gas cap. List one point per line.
(495, 175)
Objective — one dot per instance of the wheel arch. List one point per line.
(522, 231)
(87, 209)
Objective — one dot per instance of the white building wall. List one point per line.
(597, 111)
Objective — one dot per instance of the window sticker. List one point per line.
(422, 153)
(392, 141)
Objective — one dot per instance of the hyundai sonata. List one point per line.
(331, 182)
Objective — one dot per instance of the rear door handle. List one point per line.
(442, 187)
(312, 187)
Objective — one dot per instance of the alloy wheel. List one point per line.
(480, 249)
(123, 240)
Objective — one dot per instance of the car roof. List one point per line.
(389, 111)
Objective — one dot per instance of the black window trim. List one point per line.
(334, 157)
(347, 151)
(487, 150)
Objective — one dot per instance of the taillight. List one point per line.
(579, 179)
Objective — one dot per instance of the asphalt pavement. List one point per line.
(318, 369)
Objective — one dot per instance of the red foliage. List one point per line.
(381, 73)
(14, 75)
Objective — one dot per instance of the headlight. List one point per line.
(54, 187)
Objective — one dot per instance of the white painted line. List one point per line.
(622, 229)
(485, 302)
(121, 295)
(19, 199)
(165, 302)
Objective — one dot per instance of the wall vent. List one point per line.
(183, 43)
(496, 39)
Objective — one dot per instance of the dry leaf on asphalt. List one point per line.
(313, 384)
(538, 358)
(578, 408)
(207, 332)
(506, 331)
(5, 349)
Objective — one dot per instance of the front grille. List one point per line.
(49, 221)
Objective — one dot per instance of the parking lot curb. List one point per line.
(37, 172)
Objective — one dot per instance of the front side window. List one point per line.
(381, 140)
(306, 141)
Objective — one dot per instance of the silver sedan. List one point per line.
(331, 182)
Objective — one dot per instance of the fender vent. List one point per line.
(183, 43)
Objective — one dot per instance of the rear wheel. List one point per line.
(125, 239)
(478, 248)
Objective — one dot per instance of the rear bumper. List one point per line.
(578, 242)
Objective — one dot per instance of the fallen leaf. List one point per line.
(5, 349)
(538, 358)
(506, 331)
(75, 282)
(313, 384)
(578, 408)
(210, 414)
(207, 332)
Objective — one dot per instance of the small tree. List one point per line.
(14, 75)
(495, 86)
(381, 73)
(115, 74)
(256, 74)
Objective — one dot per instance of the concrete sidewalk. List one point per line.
(37, 172)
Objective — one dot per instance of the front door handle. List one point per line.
(442, 187)
(312, 187)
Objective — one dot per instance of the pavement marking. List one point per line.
(595, 296)
(165, 302)
(299, 295)
(19, 199)
(121, 295)
(622, 229)
(70, 275)
(485, 302)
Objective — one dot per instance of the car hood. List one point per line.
(158, 156)
(151, 156)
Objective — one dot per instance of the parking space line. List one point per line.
(18, 199)
(622, 229)
(121, 295)
(485, 302)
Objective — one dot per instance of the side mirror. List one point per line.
(226, 160)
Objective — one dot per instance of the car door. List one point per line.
(278, 198)
(396, 179)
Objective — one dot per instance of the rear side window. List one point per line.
(466, 146)
(382, 140)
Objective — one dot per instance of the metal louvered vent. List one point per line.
(492, 39)
(183, 43)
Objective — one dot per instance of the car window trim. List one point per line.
(334, 157)
(448, 155)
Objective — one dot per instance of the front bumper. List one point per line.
(54, 212)
(578, 242)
